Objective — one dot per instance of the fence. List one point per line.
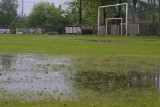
(73, 30)
(133, 29)
(29, 30)
(143, 18)
(149, 29)
(5, 31)
(147, 15)
(115, 30)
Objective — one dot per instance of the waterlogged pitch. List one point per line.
(36, 76)
(76, 71)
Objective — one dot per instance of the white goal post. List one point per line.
(126, 19)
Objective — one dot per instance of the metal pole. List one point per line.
(98, 21)
(121, 27)
(126, 19)
(80, 13)
(126, 28)
(22, 13)
(22, 8)
(106, 27)
(113, 5)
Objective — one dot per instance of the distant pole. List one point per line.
(22, 13)
(80, 13)
(22, 8)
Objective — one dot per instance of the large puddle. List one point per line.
(36, 75)
(41, 76)
(105, 81)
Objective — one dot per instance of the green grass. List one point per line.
(129, 98)
(116, 54)
(75, 45)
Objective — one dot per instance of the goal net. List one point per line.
(113, 19)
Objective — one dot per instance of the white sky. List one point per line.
(28, 4)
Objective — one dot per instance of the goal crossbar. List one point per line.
(126, 4)
(113, 5)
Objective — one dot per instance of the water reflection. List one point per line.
(100, 41)
(157, 78)
(40, 76)
(35, 73)
(6, 62)
(101, 81)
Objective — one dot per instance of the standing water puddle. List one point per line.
(103, 81)
(40, 76)
(35, 75)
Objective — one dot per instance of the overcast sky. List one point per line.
(28, 4)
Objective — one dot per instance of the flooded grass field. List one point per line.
(35, 76)
(116, 73)
(31, 77)
(79, 71)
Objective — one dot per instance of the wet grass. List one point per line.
(120, 81)
(120, 64)
(111, 99)
(78, 45)
(95, 59)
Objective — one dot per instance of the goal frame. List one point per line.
(126, 19)
(114, 19)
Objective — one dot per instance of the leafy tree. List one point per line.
(89, 11)
(8, 12)
(90, 8)
(49, 17)
(133, 9)
(159, 9)
(21, 21)
(148, 10)
(37, 17)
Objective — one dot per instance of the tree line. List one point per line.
(46, 15)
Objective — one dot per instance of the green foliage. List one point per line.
(8, 12)
(144, 10)
(38, 14)
(137, 10)
(90, 9)
(47, 16)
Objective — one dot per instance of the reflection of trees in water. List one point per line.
(99, 81)
(158, 81)
(6, 61)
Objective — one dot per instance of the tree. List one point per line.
(8, 12)
(159, 9)
(89, 11)
(46, 15)
(38, 14)
(90, 8)
(133, 5)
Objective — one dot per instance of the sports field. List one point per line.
(81, 45)
(107, 71)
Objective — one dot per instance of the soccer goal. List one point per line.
(111, 18)
(121, 25)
